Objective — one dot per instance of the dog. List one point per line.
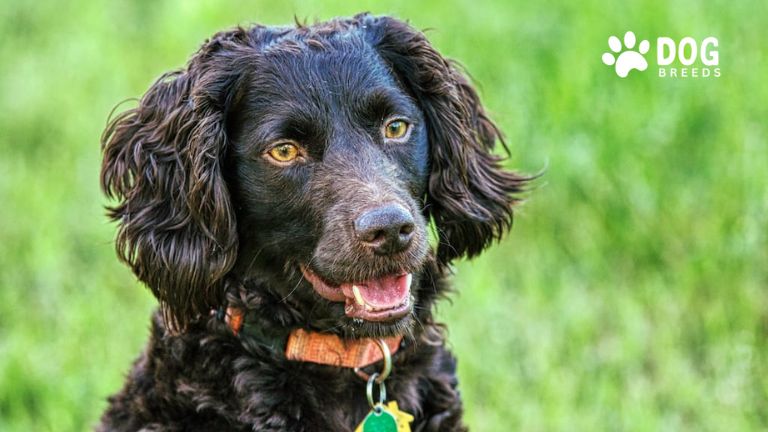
(276, 196)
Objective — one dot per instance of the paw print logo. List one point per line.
(628, 59)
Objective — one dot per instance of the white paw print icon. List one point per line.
(628, 59)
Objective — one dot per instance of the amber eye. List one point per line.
(396, 129)
(285, 152)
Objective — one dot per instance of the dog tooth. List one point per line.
(358, 297)
(408, 280)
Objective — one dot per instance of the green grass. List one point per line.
(630, 296)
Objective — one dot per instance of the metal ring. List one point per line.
(369, 391)
(386, 370)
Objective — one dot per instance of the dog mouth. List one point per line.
(382, 299)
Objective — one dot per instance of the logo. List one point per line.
(684, 59)
(627, 59)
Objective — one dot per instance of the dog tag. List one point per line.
(387, 418)
(383, 418)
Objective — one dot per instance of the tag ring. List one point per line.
(369, 391)
(385, 371)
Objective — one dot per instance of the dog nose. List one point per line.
(387, 229)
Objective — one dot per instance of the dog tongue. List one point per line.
(384, 293)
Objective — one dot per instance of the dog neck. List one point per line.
(313, 347)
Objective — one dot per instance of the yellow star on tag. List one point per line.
(402, 418)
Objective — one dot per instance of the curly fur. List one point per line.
(200, 223)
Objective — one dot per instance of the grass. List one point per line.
(630, 296)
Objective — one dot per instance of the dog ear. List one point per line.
(163, 163)
(470, 195)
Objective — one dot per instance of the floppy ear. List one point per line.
(470, 195)
(162, 162)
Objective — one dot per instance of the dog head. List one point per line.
(306, 161)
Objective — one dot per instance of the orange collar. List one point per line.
(323, 348)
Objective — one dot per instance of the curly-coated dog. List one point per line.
(275, 196)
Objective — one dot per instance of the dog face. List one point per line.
(306, 162)
(329, 165)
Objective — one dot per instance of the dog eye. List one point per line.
(284, 152)
(396, 129)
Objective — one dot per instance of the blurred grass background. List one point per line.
(630, 296)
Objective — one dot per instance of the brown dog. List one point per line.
(274, 196)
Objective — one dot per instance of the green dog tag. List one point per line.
(389, 418)
(383, 421)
